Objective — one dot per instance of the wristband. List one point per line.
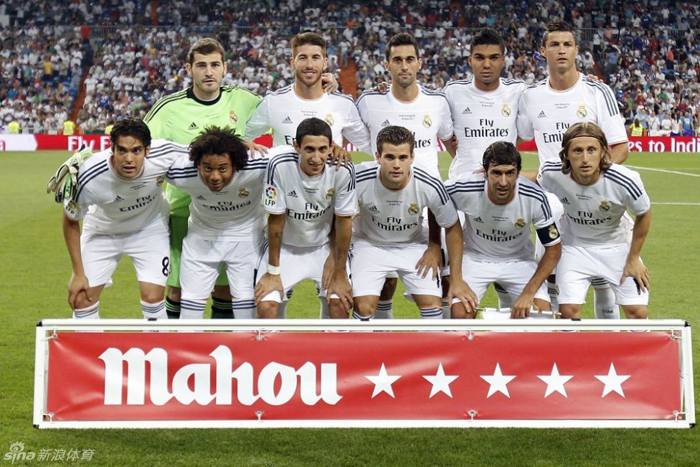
(274, 270)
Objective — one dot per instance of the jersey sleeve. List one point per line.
(455, 188)
(273, 194)
(611, 121)
(362, 110)
(526, 130)
(156, 122)
(259, 122)
(441, 205)
(636, 197)
(356, 131)
(446, 129)
(345, 202)
(182, 170)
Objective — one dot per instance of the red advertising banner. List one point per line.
(456, 375)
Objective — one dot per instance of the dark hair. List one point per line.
(219, 141)
(402, 38)
(557, 26)
(313, 127)
(501, 153)
(133, 127)
(578, 130)
(395, 135)
(307, 38)
(488, 36)
(205, 46)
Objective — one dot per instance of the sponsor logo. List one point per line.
(159, 180)
(72, 207)
(553, 232)
(233, 117)
(193, 126)
(373, 209)
(243, 193)
(201, 198)
(581, 112)
(604, 206)
(118, 198)
(520, 223)
(287, 120)
(505, 110)
(271, 193)
(542, 114)
(413, 209)
(427, 122)
(138, 186)
(292, 194)
(329, 119)
(565, 200)
(478, 220)
(467, 111)
(330, 193)
(385, 123)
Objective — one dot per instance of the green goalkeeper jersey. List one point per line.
(180, 117)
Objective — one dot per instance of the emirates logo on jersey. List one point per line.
(520, 223)
(413, 209)
(604, 206)
(234, 118)
(329, 119)
(243, 193)
(581, 112)
(505, 110)
(427, 122)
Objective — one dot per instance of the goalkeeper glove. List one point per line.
(64, 182)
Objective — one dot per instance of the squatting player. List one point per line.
(500, 206)
(599, 238)
(227, 219)
(124, 212)
(306, 198)
(389, 232)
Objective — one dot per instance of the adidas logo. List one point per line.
(374, 209)
(564, 201)
(478, 219)
(385, 123)
(201, 198)
(466, 111)
(542, 115)
(193, 126)
(287, 120)
(292, 194)
(118, 198)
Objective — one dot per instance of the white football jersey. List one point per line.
(481, 118)
(427, 117)
(283, 110)
(308, 203)
(391, 217)
(546, 114)
(113, 205)
(597, 215)
(495, 232)
(234, 213)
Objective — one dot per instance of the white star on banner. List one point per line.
(498, 382)
(555, 382)
(441, 382)
(382, 382)
(612, 381)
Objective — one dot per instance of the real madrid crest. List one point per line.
(243, 193)
(553, 232)
(330, 193)
(604, 206)
(505, 110)
(581, 112)
(520, 223)
(232, 115)
(427, 122)
(329, 119)
(160, 180)
(413, 209)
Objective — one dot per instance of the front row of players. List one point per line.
(316, 210)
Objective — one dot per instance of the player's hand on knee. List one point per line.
(329, 83)
(328, 270)
(431, 260)
(340, 286)
(78, 288)
(635, 269)
(268, 284)
(461, 291)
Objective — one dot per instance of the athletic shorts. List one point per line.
(513, 276)
(178, 232)
(371, 263)
(579, 265)
(147, 248)
(202, 260)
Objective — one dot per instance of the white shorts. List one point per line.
(511, 275)
(298, 264)
(149, 250)
(203, 259)
(370, 265)
(579, 265)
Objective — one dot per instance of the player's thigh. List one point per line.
(628, 294)
(149, 252)
(405, 260)
(369, 268)
(101, 255)
(575, 270)
(241, 261)
(201, 261)
(178, 231)
(516, 274)
(477, 277)
(151, 293)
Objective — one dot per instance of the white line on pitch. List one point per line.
(676, 204)
(664, 171)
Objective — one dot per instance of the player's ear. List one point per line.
(147, 150)
(296, 146)
(377, 156)
(188, 67)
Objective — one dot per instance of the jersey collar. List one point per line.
(190, 95)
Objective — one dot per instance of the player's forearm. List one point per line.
(544, 268)
(454, 241)
(275, 229)
(642, 224)
(71, 235)
(434, 229)
(619, 153)
(343, 235)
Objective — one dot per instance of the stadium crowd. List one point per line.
(647, 51)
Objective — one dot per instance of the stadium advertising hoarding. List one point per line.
(292, 374)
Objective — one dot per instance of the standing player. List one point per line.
(599, 238)
(548, 108)
(500, 206)
(283, 109)
(425, 113)
(306, 199)
(389, 232)
(226, 219)
(124, 212)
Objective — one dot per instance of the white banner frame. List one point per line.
(46, 330)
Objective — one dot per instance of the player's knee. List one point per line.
(336, 310)
(460, 312)
(569, 311)
(82, 302)
(152, 295)
(635, 311)
(222, 292)
(267, 310)
(388, 289)
(174, 293)
(364, 308)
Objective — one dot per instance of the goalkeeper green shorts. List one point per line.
(178, 230)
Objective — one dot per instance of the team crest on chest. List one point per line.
(520, 223)
(505, 110)
(427, 122)
(413, 209)
(604, 206)
(553, 232)
(234, 118)
(581, 112)
(329, 119)
(159, 180)
(330, 193)
(243, 193)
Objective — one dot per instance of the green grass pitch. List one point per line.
(34, 271)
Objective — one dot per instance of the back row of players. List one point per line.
(477, 111)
